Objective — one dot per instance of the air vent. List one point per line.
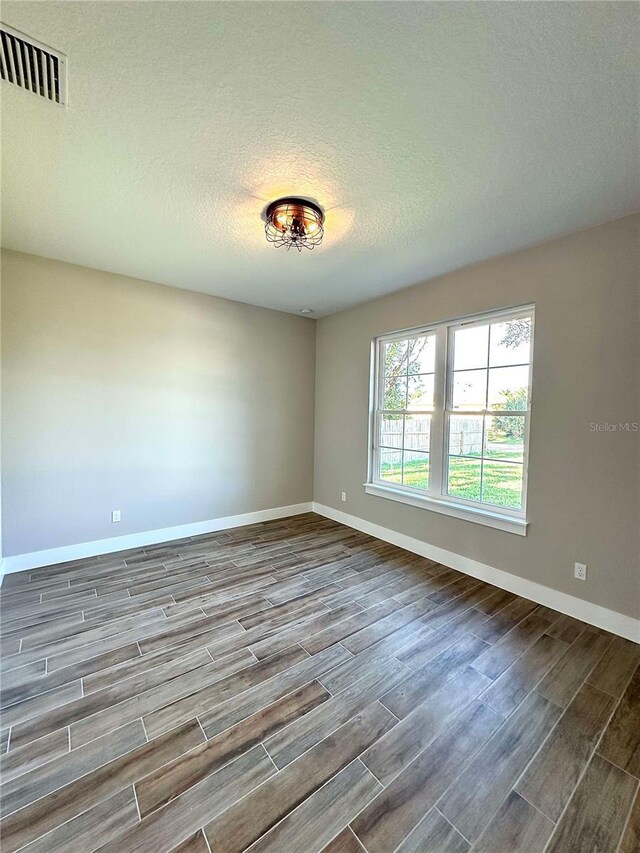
(33, 66)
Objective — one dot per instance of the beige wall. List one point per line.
(174, 407)
(584, 486)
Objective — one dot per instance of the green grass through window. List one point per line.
(501, 485)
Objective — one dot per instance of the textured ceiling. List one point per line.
(435, 134)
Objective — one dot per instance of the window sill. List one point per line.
(487, 517)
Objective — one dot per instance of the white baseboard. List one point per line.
(21, 562)
(594, 614)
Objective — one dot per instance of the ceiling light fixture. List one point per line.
(294, 222)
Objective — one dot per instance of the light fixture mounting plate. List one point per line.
(293, 201)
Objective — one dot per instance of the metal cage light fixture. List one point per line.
(294, 222)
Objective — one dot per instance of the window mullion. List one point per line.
(436, 447)
(378, 406)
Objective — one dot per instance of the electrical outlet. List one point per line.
(580, 571)
(343, 496)
(116, 515)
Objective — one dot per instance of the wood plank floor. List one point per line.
(296, 687)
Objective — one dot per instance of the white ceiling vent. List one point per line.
(32, 65)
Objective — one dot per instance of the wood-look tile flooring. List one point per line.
(297, 686)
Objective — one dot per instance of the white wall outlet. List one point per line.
(580, 571)
(116, 515)
(343, 496)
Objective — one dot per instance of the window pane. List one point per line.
(391, 465)
(422, 354)
(420, 394)
(391, 431)
(465, 436)
(416, 469)
(395, 393)
(504, 437)
(502, 484)
(510, 342)
(395, 358)
(470, 389)
(417, 432)
(508, 388)
(470, 347)
(464, 477)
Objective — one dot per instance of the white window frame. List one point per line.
(435, 498)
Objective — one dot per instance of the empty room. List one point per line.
(320, 427)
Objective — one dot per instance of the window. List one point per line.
(451, 418)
